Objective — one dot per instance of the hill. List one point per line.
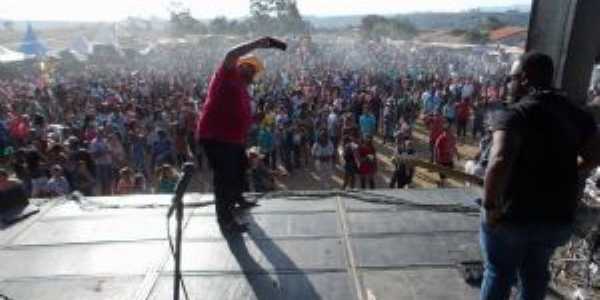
(433, 20)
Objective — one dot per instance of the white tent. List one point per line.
(81, 45)
(106, 35)
(7, 55)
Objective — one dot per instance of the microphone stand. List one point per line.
(177, 206)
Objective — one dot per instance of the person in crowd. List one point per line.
(222, 128)
(139, 183)
(138, 150)
(389, 117)
(103, 162)
(529, 207)
(262, 177)
(403, 132)
(435, 125)
(57, 184)
(351, 161)
(84, 180)
(266, 143)
(333, 125)
(463, 114)
(299, 141)
(403, 169)
(323, 152)
(368, 124)
(117, 151)
(37, 171)
(180, 145)
(449, 111)
(445, 151)
(125, 184)
(162, 150)
(166, 179)
(479, 110)
(367, 163)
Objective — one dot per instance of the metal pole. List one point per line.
(178, 248)
(188, 170)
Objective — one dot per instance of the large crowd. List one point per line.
(119, 128)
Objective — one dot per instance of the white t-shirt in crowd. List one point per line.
(319, 151)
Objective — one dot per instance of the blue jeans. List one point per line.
(519, 251)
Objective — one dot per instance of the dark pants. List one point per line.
(228, 162)
(461, 128)
(477, 129)
(401, 177)
(286, 158)
(519, 251)
(270, 159)
(364, 180)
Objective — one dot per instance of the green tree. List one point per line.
(374, 27)
(182, 22)
(277, 16)
(367, 23)
(492, 23)
(477, 36)
(219, 25)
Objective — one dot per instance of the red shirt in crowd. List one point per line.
(445, 147)
(435, 124)
(462, 111)
(226, 115)
(366, 155)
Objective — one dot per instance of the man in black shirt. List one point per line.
(541, 145)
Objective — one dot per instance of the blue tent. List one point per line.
(31, 45)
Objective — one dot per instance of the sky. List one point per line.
(114, 10)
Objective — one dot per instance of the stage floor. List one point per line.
(315, 245)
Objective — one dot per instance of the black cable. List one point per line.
(172, 247)
(369, 197)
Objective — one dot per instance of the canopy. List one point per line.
(81, 45)
(31, 45)
(7, 55)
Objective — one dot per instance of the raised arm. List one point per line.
(240, 50)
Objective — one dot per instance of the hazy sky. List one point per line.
(111, 10)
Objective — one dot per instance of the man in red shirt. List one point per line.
(223, 125)
(435, 124)
(445, 151)
(463, 112)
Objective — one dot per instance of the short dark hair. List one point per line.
(538, 68)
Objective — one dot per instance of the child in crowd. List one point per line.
(445, 151)
(57, 184)
(262, 178)
(351, 161)
(139, 183)
(125, 185)
(403, 169)
(323, 152)
(368, 163)
(166, 179)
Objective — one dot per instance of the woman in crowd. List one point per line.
(125, 184)
(368, 163)
(166, 179)
(351, 161)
